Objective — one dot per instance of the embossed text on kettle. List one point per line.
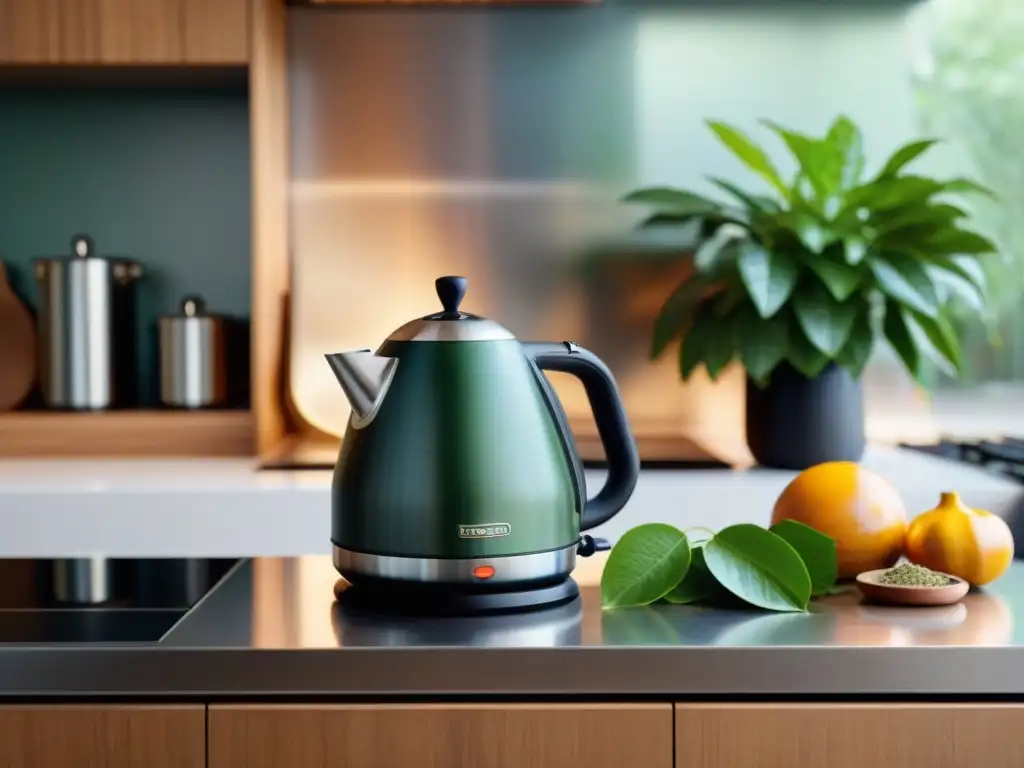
(485, 531)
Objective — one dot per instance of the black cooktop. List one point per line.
(1004, 456)
(100, 600)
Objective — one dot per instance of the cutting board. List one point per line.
(17, 347)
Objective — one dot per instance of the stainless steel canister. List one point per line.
(87, 357)
(83, 580)
(193, 357)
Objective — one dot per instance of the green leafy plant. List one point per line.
(817, 269)
(778, 569)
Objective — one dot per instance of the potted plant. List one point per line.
(798, 283)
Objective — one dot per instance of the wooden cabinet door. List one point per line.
(29, 31)
(849, 735)
(216, 31)
(441, 736)
(102, 736)
(121, 32)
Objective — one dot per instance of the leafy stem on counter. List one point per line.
(778, 569)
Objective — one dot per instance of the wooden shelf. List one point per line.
(39, 434)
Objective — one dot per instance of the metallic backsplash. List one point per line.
(494, 143)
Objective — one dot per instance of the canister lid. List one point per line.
(82, 246)
(191, 306)
(83, 249)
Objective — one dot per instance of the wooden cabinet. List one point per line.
(440, 736)
(103, 736)
(124, 32)
(216, 31)
(29, 31)
(512, 735)
(121, 31)
(849, 735)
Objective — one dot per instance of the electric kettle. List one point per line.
(458, 484)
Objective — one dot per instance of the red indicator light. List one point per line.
(483, 571)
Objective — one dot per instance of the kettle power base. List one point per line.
(385, 596)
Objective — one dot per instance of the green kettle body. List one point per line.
(458, 465)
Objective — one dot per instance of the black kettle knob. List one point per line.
(451, 290)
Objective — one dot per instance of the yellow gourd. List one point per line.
(972, 544)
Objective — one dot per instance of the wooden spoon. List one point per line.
(899, 594)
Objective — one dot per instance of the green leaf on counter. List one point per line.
(839, 589)
(759, 567)
(698, 583)
(644, 565)
(817, 550)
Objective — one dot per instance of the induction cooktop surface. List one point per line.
(100, 600)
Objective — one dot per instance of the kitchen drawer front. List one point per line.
(442, 735)
(849, 735)
(108, 735)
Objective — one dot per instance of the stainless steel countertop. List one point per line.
(272, 628)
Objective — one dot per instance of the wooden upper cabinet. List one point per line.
(849, 735)
(29, 31)
(103, 736)
(450, 735)
(452, 2)
(216, 31)
(124, 32)
(121, 32)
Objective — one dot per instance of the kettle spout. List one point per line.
(364, 377)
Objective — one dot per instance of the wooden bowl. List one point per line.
(897, 594)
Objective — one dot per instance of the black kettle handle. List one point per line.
(610, 416)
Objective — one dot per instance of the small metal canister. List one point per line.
(87, 344)
(193, 357)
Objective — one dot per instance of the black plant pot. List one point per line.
(796, 422)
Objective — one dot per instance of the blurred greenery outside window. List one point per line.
(969, 90)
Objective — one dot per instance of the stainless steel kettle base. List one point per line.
(455, 587)
(388, 597)
(487, 574)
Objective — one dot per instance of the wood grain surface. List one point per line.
(102, 736)
(441, 736)
(849, 736)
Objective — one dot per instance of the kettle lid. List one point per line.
(450, 324)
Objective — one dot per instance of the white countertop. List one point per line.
(224, 507)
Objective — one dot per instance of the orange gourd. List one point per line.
(971, 544)
(862, 512)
